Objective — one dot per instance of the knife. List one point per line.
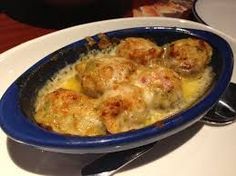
(110, 163)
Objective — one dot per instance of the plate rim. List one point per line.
(201, 20)
(76, 145)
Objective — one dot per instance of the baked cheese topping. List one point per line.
(134, 84)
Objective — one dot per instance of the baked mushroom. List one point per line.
(69, 112)
(162, 87)
(123, 109)
(188, 56)
(101, 74)
(140, 50)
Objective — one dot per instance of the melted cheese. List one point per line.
(193, 88)
(72, 84)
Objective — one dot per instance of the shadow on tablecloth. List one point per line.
(58, 164)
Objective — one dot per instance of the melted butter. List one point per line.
(72, 84)
(194, 87)
(191, 88)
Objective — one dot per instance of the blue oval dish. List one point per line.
(16, 106)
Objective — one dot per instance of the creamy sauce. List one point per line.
(193, 87)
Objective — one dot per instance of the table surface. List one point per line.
(14, 33)
(23, 20)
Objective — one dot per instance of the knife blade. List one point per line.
(110, 163)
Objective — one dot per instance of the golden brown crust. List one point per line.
(188, 56)
(162, 86)
(102, 74)
(140, 50)
(123, 109)
(140, 86)
(69, 112)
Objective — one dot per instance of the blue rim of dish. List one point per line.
(196, 14)
(20, 128)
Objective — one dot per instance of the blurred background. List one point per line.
(22, 20)
(58, 14)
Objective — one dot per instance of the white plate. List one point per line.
(200, 150)
(218, 14)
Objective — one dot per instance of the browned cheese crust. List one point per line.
(123, 109)
(101, 74)
(69, 112)
(140, 50)
(135, 85)
(188, 56)
(162, 86)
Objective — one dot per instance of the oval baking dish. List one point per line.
(17, 104)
